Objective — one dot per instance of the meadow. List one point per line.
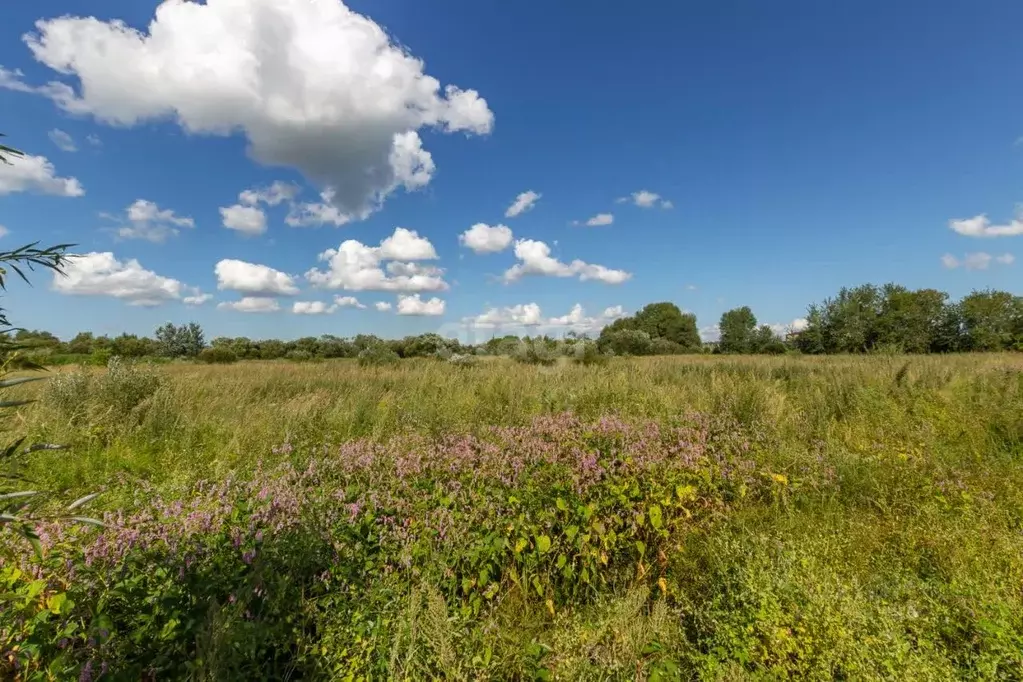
(660, 518)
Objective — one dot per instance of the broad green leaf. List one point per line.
(543, 543)
(655, 516)
(562, 560)
(561, 504)
(571, 532)
(520, 545)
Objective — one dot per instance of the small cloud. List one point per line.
(382, 306)
(535, 259)
(251, 304)
(414, 305)
(94, 140)
(197, 298)
(599, 220)
(976, 261)
(691, 287)
(667, 204)
(64, 142)
(145, 220)
(523, 202)
(4, 231)
(36, 174)
(347, 302)
(483, 238)
(980, 226)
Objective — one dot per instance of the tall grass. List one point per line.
(744, 518)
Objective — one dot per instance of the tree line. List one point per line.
(861, 319)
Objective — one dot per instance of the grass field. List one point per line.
(653, 518)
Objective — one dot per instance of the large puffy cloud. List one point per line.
(355, 266)
(101, 274)
(980, 226)
(36, 174)
(146, 220)
(414, 305)
(530, 316)
(535, 259)
(251, 304)
(976, 261)
(483, 238)
(252, 278)
(312, 85)
(523, 202)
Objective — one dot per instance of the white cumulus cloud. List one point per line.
(535, 259)
(63, 140)
(101, 274)
(382, 306)
(529, 315)
(523, 202)
(311, 308)
(413, 305)
(599, 220)
(311, 84)
(356, 267)
(980, 226)
(146, 220)
(244, 219)
(252, 278)
(196, 298)
(645, 199)
(36, 174)
(251, 304)
(483, 238)
(976, 261)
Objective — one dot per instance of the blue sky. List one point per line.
(802, 147)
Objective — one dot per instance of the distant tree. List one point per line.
(667, 321)
(909, 320)
(81, 344)
(992, 320)
(184, 341)
(737, 330)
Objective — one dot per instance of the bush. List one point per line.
(587, 353)
(629, 342)
(666, 347)
(100, 357)
(217, 355)
(299, 355)
(534, 352)
(68, 394)
(125, 386)
(377, 355)
(463, 360)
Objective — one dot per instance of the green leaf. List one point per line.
(641, 547)
(561, 504)
(520, 545)
(88, 521)
(654, 512)
(20, 493)
(562, 560)
(571, 532)
(543, 543)
(7, 383)
(82, 501)
(15, 403)
(538, 586)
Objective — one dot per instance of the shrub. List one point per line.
(534, 352)
(629, 342)
(68, 394)
(587, 353)
(377, 355)
(125, 386)
(665, 347)
(100, 357)
(217, 355)
(463, 360)
(299, 355)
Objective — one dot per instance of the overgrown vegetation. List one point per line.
(650, 518)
